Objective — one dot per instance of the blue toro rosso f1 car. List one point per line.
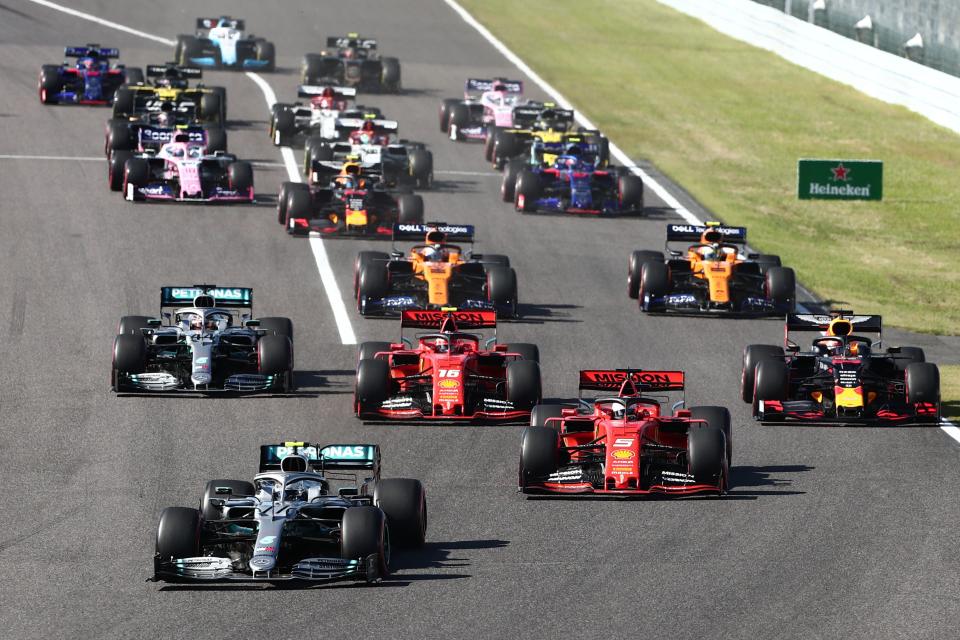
(92, 79)
(221, 43)
(568, 177)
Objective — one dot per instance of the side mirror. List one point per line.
(893, 350)
(154, 322)
(488, 342)
(252, 324)
(348, 491)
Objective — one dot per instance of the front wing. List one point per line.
(219, 569)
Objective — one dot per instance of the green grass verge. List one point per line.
(729, 121)
(950, 391)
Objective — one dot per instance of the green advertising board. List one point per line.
(839, 179)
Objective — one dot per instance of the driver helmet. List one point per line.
(441, 345)
(212, 324)
(856, 349)
(88, 63)
(349, 53)
(830, 346)
(499, 86)
(345, 182)
(326, 99)
(196, 322)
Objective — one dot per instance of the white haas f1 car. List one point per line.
(312, 514)
(205, 340)
(183, 171)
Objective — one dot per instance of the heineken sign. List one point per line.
(840, 179)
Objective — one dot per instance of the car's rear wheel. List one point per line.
(543, 412)
(278, 326)
(227, 489)
(526, 350)
(369, 350)
(421, 168)
(265, 51)
(502, 287)
(390, 75)
(410, 209)
(299, 207)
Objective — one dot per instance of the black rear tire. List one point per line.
(368, 350)
(634, 266)
(404, 502)
(529, 351)
(523, 385)
(216, 139)
(421, 168)
(907, 356)
(266, 51)
(374, 282)
(410, 209)
(299, 206)
(122, 102)
(238, 489)
(278, 326)
(50, 83)
(372, 385)
(753, 354)
(543, 412)
(132, 325)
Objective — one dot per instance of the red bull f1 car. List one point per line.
(448, 374)
(844, 378)
(625, 443)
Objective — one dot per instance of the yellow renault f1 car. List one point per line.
(434, 274)
(544, 123)
(169, 85)
(713, 275)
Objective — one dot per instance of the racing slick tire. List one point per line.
(122, 102)
(445, 107)
(373, 283)
(131, 325)
(363, 533)
(115, 164)
(314, 148)
(717, 418)
(527, 350)
(266, 51)
(216, 139)
(372, 385)
(278, 326)
(502, 287)
(410, 209)
(543, 412)
(197, 47)
(50, 83)
(753, 354)
(283, 198)
(506, 146)
(222, 92)
(240, 175)
(922, 382)
(310, 68)
(421, 168)
(706, 450)
(527, 191)
(654, 283)
(178, 533)
(362, 259)
(404, 502)
(238, 489)
(274, 354)
(369, 349)
(129, 356)
(770, 382)
(459, 118)
(765, 261)
(523, 387)
(781, 287)
(490, 259)
(539, 453)
(183, 44)
(133, 75)
(211, 108)
(283, 127)
(136, 171)
(299, 205)
(390, 75)
(908, 355)
(508, 185)
(630, 193)
(118, 136)
(634, 267)
(490, 142)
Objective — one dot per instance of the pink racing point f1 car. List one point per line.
(183, 171)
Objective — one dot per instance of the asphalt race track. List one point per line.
(828, 532)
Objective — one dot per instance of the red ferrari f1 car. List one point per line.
(624, 444)
(447, 374)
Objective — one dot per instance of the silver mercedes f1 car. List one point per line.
(205, 340)
(306, 516)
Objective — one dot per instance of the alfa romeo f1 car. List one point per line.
(221, 43)
(569, 177)
(183, 171)
(290, 123)
(485, 104)
(434, 274)
(91, 80)
(624, 444)
(714, 275)
(345, 198)
(448, 374)
(313, 513)
(206, 339)
(354, 62)
(844, 378)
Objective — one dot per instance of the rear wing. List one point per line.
(149, 136)
(339, 457)
(838, 323)
(479, 85)
(436, 319)
(351, 40)
(621, 379)
(94, 50)
(524, 115)
(183, 71)
(210, 23)
(693, 233)
(225, 297)
(454, 232)
(310, 90)
(379, 123)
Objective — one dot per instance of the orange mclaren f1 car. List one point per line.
(624, 443)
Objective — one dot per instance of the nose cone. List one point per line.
(262, 563)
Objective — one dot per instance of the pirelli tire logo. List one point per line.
(839, 179)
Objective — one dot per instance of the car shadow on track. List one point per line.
(751, 482)
(536, 313)
(454, 186)
(320, 382)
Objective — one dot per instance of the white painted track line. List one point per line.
(344, 326)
